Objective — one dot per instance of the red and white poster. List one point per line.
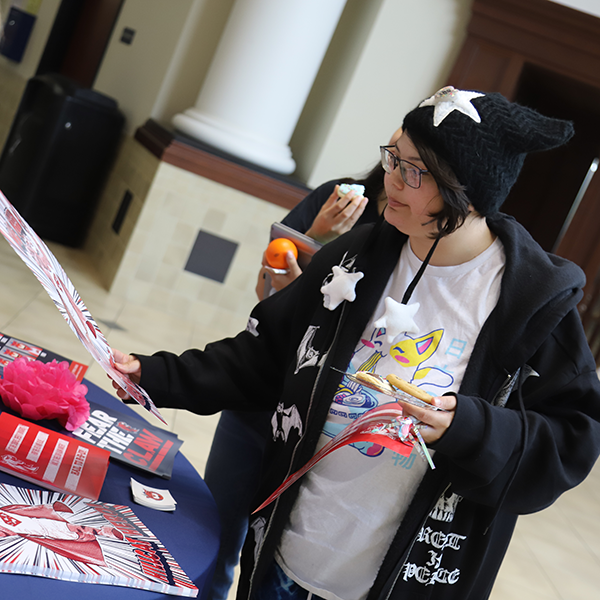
(66, 537)
(43, 264)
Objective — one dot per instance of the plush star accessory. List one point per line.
(449, 99)
(341, 287)
(397, 319)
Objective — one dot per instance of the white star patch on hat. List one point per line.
(397, 319)
(340, 288)
(449, 99)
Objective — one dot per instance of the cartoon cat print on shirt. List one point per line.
(411, 353)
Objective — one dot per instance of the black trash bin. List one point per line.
(58, 153)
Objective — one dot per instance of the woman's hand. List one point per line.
(337, 216)
(280, 278)
(434, 422)
(128, 365)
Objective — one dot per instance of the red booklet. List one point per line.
(50, 459)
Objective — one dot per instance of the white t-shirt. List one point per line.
(350, 504)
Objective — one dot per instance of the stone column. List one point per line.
(260, 77)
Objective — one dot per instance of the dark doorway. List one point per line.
(550, 181)
(78, 39)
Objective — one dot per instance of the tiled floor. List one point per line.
(555, 554)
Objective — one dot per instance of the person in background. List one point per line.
(456, 298)
(323, 216)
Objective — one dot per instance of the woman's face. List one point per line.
(409, 209)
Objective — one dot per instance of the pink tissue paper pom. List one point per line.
(39, 390)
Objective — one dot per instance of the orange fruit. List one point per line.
(277, 251)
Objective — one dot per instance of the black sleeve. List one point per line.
(248, 371)
(526, 460)
(245, 372)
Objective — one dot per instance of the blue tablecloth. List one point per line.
(190, 533)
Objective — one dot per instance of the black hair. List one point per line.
(456, 203)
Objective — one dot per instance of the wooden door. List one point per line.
(78, 39)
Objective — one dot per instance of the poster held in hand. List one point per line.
(44, 265)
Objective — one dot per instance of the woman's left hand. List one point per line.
(434, 422)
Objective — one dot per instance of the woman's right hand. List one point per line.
(337, 216)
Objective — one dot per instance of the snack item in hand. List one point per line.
(277, 251)
(409, 388)
(344, 188)
(374, 381)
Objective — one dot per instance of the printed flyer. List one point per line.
(130, 440)
(66, 537)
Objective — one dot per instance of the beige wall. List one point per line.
(14, 76)
(331, 83)
(409, 52)
(161, 72)
(134, 170)
(192, 57)
(35, 47)
(12, 86)
(177, 205)
(133, 74)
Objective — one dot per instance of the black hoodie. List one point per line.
(526, 427)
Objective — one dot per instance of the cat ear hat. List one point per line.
(484, 138)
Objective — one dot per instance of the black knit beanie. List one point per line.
(484, 138)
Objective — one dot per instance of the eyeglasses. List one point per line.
(411, 174)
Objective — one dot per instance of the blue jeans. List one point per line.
(278, 586)
(232, 474)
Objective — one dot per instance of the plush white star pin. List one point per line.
(340, 288)
(397, 319)
(448, 99)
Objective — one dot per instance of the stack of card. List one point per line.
(152, 497)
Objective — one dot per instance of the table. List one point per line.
(190, 533)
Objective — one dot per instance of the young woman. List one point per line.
(236, 455)
(234, 463)
(451, 295)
